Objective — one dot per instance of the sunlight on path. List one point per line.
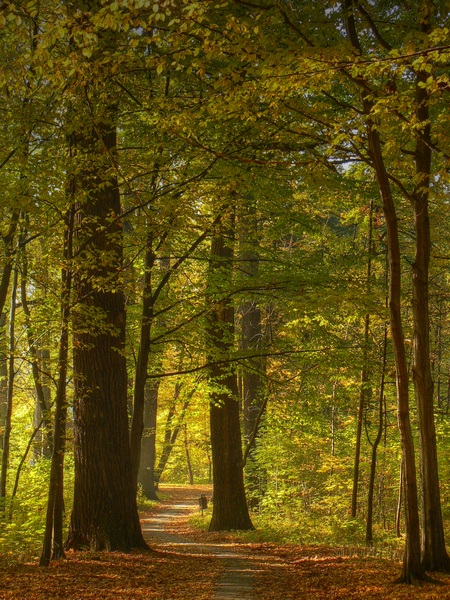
(236, 581)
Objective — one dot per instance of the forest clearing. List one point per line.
(224, 262)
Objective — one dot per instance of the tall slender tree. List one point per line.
(10, 388)
(412, 567)
(434, 553)
(53, 545)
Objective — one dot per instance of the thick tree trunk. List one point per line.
(230, 510)
(434, 553)
(104, 514)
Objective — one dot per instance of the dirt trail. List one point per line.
(270, 571)
(167, 529)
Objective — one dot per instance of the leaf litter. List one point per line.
(174, 572)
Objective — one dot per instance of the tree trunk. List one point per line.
(104, 514)
(230, 509)
(434, 553)
(170, 434)
(53, 536)
(412, 567)
(188, 456)
(42, 405)
(10, 389)
(375, 444)
(172, 429)
(144, 402)
(8, 241)
(146, 475)
(398, 513)
(150, 297)
(252, 339)
(364, 375)
(3, 373)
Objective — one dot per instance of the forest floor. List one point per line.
(185, 563)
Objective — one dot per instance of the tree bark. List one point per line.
(398, 512)
(104, 514)
(230, 510)
(434, 553)
(8, 241)
(252, 336)
(3, 373)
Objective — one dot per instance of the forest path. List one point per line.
(188, 564)
(166, 529)
(241, 570)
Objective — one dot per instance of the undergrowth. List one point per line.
(22, 519)
(346, 536)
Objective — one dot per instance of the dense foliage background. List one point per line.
(250, 113)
